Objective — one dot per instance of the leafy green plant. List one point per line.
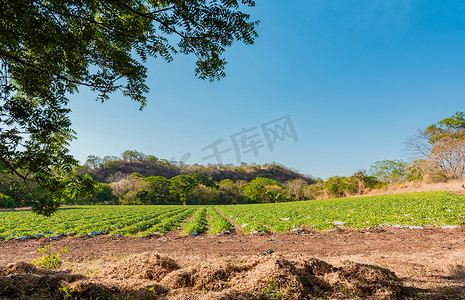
(217, 222)
(424, 209)
(68, 293)
(49, 260)
(198, 222)
(168, 224)
(271, 290)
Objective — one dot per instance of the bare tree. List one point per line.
(450, 155)
(417, 146)
(295, 187)
(442, 146)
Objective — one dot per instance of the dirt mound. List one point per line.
(285, 278)
(150, 275)
(209, 276)
(289, 277)
(367, 281)
(21, 267)
(150, 266)
(101, 288)
(23, 279)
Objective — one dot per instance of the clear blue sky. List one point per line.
(355, 77)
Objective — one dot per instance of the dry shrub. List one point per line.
(150, 266)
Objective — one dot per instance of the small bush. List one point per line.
(49, 260)
(6, 202)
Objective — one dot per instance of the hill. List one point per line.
(117, 169)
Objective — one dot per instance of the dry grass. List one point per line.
(151, 275)
(419, 186)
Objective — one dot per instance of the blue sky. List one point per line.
(356, 79)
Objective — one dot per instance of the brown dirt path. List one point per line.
(388, 241)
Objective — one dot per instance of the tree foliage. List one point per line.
(439, 150)
(447, 138)
(261, 190)
(49, 49)
(448, 128)
(6, 201)
(388, 170)
(181, 186)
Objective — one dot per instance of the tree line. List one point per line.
(193, 189)
(135, 178)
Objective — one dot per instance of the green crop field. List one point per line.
(414, 210)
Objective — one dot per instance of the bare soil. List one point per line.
(394, 263)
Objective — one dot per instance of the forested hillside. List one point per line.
(113, 168)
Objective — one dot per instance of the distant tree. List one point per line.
(229, 192)
(103, 194)
(203, 195)
(255, 191)
(275, 193)
(364, 181)
(295, 187)
(152, 158)
(388, 170)
(448, 140)
(181, 186)
(127, 189)
(450, 128)
(136, 175)
(93, 161)
(109, 161)
(419, 169)
(442, 146)
(240, 185)
(313, 191)
(340, 186)
(6, 201)
(204, 179)
(159, 190)
(15, 188)
(418, 146)
(133, 156)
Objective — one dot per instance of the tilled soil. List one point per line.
(428, 263)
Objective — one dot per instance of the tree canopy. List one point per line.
(448, 128)
(388, 170)
(447, 138)
(49, 49)
(441, 149)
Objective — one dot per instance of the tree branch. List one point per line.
(24, 178)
